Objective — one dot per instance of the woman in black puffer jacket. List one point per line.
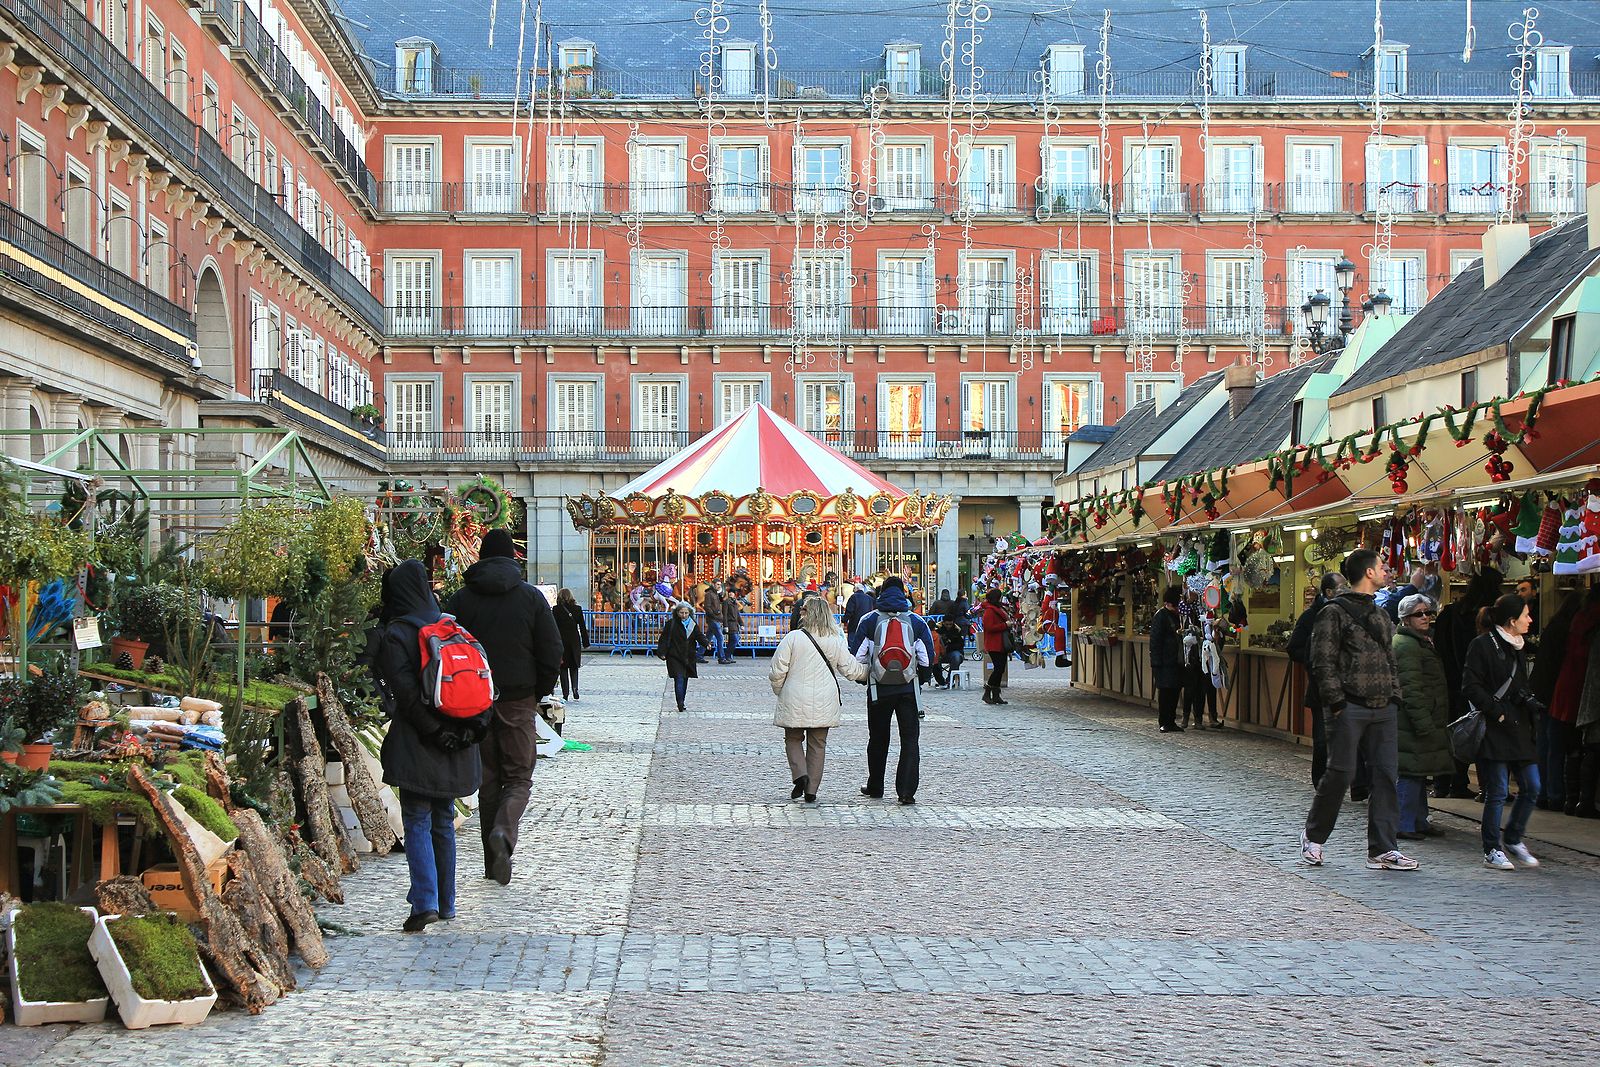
(1495, 681)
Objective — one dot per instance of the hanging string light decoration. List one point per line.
(1144, 308)
(769, 65)
(1300, 347)
(1527, 38)
(1102, 69)
(713, 26)
(1383, 210)
(1564, 196)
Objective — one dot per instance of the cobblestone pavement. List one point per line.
(1071, 888)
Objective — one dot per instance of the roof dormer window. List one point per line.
(902, 64)
(414, 61)
(1389, 68)
(1227, 70)
(1064, 70)
(738, 68)
(575, 59)
(1552, 71)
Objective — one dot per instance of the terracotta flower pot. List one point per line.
(136, 650)
(8, 757)
(35, 757)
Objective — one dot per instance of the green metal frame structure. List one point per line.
(299, 482)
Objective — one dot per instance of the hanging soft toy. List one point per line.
(1430, 541)
(1525, 532)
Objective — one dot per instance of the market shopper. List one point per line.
(1299, 650)
(1495, 681)
(732, 620)
(1166, 658)
(952, 650)
(892, 702)
(1422, 725)
(805, 673)
(574, 639)
(518, 631)
(1566, 698)
(711, 605)
(429, 760)
(1352, 659)
(680, 639)
(1453, 631)
(857, 607)
(997, 639)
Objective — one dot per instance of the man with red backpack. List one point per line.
(519, 633)
(897, 647)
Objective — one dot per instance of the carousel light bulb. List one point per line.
(1303, 536)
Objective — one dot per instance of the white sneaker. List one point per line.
(1520, 856)
(1497, 859)
(1310, 851)
(1391, 861)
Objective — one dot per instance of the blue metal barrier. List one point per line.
(623, 633)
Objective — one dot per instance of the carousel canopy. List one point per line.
(760, 467)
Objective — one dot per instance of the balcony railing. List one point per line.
(130, 301)
(72, 40)
(734, 319)
(641, 447)
(293, 400)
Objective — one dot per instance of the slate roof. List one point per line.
(1136, 431)
(1298, 42)
(1092, 433)
(1261, 428)
(1465, 318)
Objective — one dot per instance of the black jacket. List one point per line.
(514, 623)
(1453, 631)
(423, 752)
(1299, 650)
(574, 632)
(1166, 650)
(677, 647)
(1508, 736)
(857, 608)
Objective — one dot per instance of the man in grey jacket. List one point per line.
(1352, 663)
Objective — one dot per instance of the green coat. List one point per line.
(1424, 708)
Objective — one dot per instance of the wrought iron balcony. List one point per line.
(641, 448)
(65, 275)
(309, 408)
(67, 36)
(821, 325)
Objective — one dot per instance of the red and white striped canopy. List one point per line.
(759, 449)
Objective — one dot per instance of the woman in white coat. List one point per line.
(805, 675)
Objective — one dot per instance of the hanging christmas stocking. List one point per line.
(1526, 528)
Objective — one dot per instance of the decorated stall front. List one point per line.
(760, 505)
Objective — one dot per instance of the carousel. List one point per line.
(760, 505)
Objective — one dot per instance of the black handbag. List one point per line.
(1467, 732)
(1008, 642)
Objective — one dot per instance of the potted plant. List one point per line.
(475, 83)
(38, 706)
(151, 966)
(368, 415)
(53, 977)
(11, 740)
(145, 613)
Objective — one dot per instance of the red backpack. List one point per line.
(894, 660)
(455, 671)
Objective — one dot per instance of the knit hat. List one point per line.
(497, 543)
(1414, 603)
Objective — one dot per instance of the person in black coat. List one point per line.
(574, 639)
(858, 607)
(1453, 631)
(1299, 649)
(429, 759)
(679, 640)
(1495, 681)
(1166, 658)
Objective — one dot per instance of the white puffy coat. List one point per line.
(808, 695)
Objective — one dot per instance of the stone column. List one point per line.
(15, 415)
(948, 548)
(1030, 519)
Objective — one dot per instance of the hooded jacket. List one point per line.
(423, 752)
(1352, 654)
(891, 599)
(514, 623)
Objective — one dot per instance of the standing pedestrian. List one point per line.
(574, 639)
(857, 607)
(732, 620)
(1299, 650)
(1453, 631)
(805, 676)
(1422, 727)
(892, 695)
(429, 760)
(996, 644)
(711, 605)
(1166, 659)
(679, 640)
(518, 631)
(1495, 681)
(1352, 658)
(1566, 698)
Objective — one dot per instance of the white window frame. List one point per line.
(497, 318)
(121, 239)
(412, 193)
(986, 318)
(740, 68)
(1165, 314)
(806, 412)
(1229, 193)
(1065, 70)
(412, 319)
(155, 58)
(1403, 302)
(573, 319)
(906, 443)
(1404, 198)
(1550, 195)
(1141, 386)
(1462, 258)
(569, 193)
(575, 441)
(492, 194)
(1552, 72)
(84, 201)
(1144, 195)
(1476, 193)
(994, 190)
(658, 441)
(822, 197)
(1390, 69)
(1309, 194)
(1055, 439)
(653, 317)
(651, 194)
(979, 429)
(902, 69)
(740, 197)
(413, 68)
(1229, 76)
(490, 440)
(1074, 321)
(1234, 317)
(406, 441)
(1313, 267)
(820, 312)
(916, 320)
(740, 320)
(33, 192)
(177, 89)
(158, 259)
(904, 192)
(1065, 198)
(722, 382)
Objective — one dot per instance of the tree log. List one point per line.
(123, 896)
(364, 797)
(230, 946)
(243, 897)
(311, 781)
(217, 783)
(323, 882)
(277, 882)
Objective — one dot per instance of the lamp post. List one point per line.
(988, 527)
(1344, 278)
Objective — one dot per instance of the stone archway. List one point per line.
(214, 337)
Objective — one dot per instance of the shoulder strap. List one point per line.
(827, 662)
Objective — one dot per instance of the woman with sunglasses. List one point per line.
(1424, 739)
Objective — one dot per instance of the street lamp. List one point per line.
(1378, 304)
(1344, 278)
(1315, 312)
(988, 527)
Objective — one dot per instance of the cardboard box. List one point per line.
(164, 882)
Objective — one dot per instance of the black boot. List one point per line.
(799, 789)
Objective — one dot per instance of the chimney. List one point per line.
(1503, 245)
(1240, 380)
(1592, 204)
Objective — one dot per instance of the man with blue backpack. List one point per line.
(896, 645)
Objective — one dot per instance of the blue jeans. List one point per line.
(680, 687)
(714, 633)
(1495, 776)
(1413, 805)
(731, 641)
(430, 824)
